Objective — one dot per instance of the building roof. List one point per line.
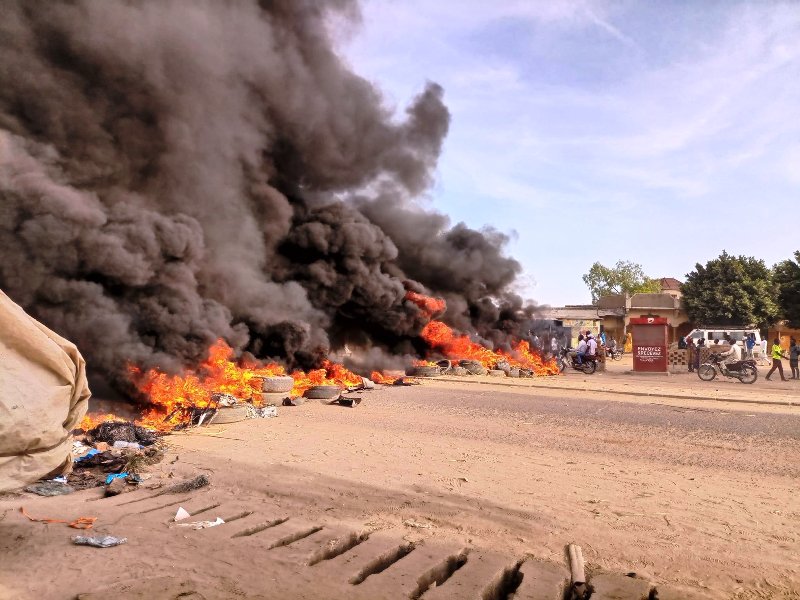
(670, 283)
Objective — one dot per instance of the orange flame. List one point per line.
(429, 305)
(454, 346)
(218, 373)
(379, 377)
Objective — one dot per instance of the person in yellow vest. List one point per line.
(777, 355)
(629, 342)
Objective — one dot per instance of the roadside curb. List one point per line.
(623, 392)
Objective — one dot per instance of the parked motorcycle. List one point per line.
(743, 370)
(615, 354)
(565, 359)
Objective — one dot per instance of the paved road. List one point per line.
(524, 404)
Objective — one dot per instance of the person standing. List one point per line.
(777, 355)
(690, 352)
(750, 343)
(794, 354)
(701, 343)
(554, 345)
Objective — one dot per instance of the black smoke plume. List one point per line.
(172, 172)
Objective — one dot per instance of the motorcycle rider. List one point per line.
(732, 356)
(580, 350)
(591, 347)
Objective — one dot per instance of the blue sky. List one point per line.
(657, 132)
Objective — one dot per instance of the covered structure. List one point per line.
(43, 397)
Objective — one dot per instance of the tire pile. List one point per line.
(466, 367)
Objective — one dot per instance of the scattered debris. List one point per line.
(293, 401)
(114, 476)
(202, 524)
(126, 431)
(130, 445)
(106, 541)
(189, 485)
(50, 488)
(351, 402)
(79, 523)
(265, 412)
(118, 486)
(222, 399)
(406, 381)
(181, 514)
(89, 454)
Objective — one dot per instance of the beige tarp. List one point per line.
(43, 396)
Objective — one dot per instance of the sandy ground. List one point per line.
(697, 494)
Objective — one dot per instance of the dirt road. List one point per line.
(691, 496)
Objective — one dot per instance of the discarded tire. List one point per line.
(525, 373)
(513, 372)
(458, 371)
(496, 373)
(275, 398)
(322, 392)
(473, 367)
(503, 366)
(444, 365)
(277, 384)
(229, 414)
(424, 371)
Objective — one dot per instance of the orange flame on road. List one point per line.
(455, 346)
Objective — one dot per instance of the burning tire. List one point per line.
(424, 371)
(513, 372)
(277, 384)
(496, 373)
(229, 414)
(444, 365)
(275, 398)
(322, 392)
(525, 373)
(473, 367)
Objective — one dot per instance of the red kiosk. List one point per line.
(649, 344)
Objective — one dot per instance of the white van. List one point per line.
(709, 335)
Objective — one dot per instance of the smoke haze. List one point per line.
(177, 171)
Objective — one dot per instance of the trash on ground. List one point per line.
(186, 486)
(79, 523)
(124, 444)
(351, 402)
(126, 431)
(49, 488)
(105, 541)
(181, 514)
(114, 476)
(202, 524)
(266, 412)
(89, 454)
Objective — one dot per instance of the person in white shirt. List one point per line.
(591, 346)
(733, 355)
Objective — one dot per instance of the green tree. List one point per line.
(731, 290)
(787, 279)
(623, 278)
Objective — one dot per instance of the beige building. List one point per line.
(618, 309)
